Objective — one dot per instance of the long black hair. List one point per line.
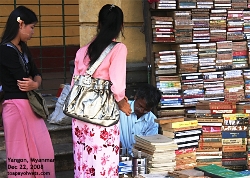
(12, 26)
(110, 24)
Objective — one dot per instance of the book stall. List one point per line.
(199, 56)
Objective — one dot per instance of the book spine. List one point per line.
(234, 134)
(234, 154)
(236, 141)
(233, 162)
(234, 148)
(184, 124)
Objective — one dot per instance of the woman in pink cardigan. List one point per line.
(96, 148)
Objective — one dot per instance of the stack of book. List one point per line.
(192, 88)
(209, 151)
(218, 25)
(165, 62)
(207, 57)
(186, 134)
(224, 59)
(246, 17)
(170, 86)
(214, 86)
(240, 54)
(234, 85)
(239, 4)
(187, 57)
(200, 18)
(235, 23)
(234, 141)
(205, 4)
(159, 150)
(162, 28)
(166, 4)
(186, 4)
(222, 4)
(246, 75)
(183, 26)
(185, 158)
(215, 171)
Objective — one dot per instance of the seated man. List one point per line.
(141, 120)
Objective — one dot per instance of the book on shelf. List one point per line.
(164, 120)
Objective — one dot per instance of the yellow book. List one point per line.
(182, 124)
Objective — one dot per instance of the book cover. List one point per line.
(234, 134)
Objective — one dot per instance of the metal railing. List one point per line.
(56, 38)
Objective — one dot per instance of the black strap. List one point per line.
(22, 57)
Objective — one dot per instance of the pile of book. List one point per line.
(183, 26)
(207, 57)
(170, 86)
(215, 171)
(162, 28)
(186, 134)
(240, 55)
(214, 86)
(166, 4)
(209, 150)
(235, 22)
(188, 173)
(246, 75)
(246, 17)
(224, 58)
(234, 141)
(218, 25)
(187, 57)
(192, 88)
(219, 4)
(165, 62)
(234, 85)
(159, 150)
(200, 18)
(239, 4)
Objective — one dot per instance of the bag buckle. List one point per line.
(87, 80)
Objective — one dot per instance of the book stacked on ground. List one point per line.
(240, 55)
(166, 4)
(246, 75)
(187, 173)
(218, 25)
(207, 57)
(215, 171)
(165, 62)
(234, 141)
(183, 26)
(224, 58)
(214, 86)
(160, 152)
(246, 17)
(184, 132)
(162, 28)
(200, 18)
(192, 88)
(187, 57)
(170, 86)
(209, 151)
(235, 22)
(234, 85)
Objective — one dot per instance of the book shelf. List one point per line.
(210, 43)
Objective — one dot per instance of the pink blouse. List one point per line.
(112, 68)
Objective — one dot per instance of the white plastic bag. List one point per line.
(57, 116)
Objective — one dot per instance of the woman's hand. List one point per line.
(27, 84)
(124, 106)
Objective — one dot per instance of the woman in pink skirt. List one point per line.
(96, 148)
(28, 145)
